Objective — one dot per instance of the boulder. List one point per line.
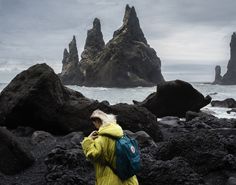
(135, 118)
(204, 150)
(232, 110)
(172, 172)
(227, 103)
(174, 98)
(210, 121)
(142, 138)
(41, 136)
(36, 98)
(68, 165)
(231, 181)
(15, 156)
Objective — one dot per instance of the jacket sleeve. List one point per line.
(92, 148)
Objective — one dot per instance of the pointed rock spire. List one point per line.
(65, 56)
(65, 60)
(131, 27)
(70, 59)
(218, 77)
(230, 77)
(94, 41)
(73, 52)
(94, 38)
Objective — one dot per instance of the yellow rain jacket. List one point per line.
(103, 149)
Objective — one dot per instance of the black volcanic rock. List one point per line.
(94, 42)
(70, 73)
(135, 118)
(204, 150)
(218, 77)
(125, 61)
(15, 157)
(230, 76)
(172, 172)
(174, 98)
(204, 156)
(131, 27)
(36, 98)
(68, 165)
(228, 103)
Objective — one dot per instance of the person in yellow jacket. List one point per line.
(101, 149)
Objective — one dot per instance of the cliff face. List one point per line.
(230, 76)
(125, 61)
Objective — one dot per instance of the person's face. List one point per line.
(97, 123)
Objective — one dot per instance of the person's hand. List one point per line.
(93, 134)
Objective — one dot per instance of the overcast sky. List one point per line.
(181, 31)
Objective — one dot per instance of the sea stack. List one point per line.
(69, 74)
(93, 45)
(230, 76)
(94, 41)
(218, 77)
(125, 61)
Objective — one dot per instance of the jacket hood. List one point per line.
(105, 118)
(113, 130)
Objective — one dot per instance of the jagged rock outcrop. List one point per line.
(230, 76)
(70, 73)
(218, 77)
(125, 61)
(174, 98)
(93, 45)
(94, 42)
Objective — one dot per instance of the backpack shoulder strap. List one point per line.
(106, 162)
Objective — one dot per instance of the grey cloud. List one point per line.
(33, 30)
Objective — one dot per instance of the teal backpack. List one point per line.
(127, 157)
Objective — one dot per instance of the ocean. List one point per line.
(126, 95)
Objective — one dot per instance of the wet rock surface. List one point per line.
(227, 103)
